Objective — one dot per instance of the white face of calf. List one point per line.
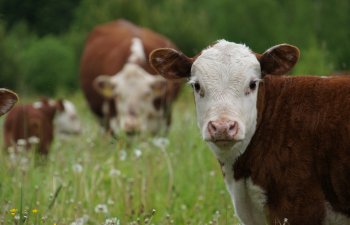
(225, 80)
(66, 118)
(138, 97)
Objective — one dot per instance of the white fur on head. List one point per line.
(137, 53)
(67, 121)
(135, 95)
(224, 72)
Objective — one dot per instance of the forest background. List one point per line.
(41, 41)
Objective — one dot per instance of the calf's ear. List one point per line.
(60, 105)
(170, 63)
(279, 59)
(7, 100)
(104, 86)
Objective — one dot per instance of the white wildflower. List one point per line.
(11, 150)
(33, 140)
(160, 142)
(110, 201)
(112, 221)
(81, 221)
(77, 168)
(21, 142)
(101, 208)
(137, 153)
(24, 163)
(122, 155)
(114, 173)
(200, 198)
(212, 173)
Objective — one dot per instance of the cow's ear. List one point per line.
(60, 105)
(170, 63)
(104, 86)
(279, 59)
(7, 100)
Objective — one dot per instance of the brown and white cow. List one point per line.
(38, 122)
(283, 142)
(118, 82)
(7, 100)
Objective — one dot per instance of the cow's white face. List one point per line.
(66, 120)
(225, 78)
(225, 81)
(139, 100)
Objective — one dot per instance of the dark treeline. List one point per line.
(41, 40)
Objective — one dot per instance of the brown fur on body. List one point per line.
(106, 52)
(25, 121)
(300, 153)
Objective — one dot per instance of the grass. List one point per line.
(95, 179)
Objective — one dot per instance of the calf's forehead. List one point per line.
(226, 59)
(69, 107)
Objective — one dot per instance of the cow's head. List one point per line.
(66, 120)
(138, 97)
(63, 114)
(225, 78)
(7, 100)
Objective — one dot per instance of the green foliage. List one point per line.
(8, 70)
(48, 64)
(315, 60)
(42, 16)
(319, 28)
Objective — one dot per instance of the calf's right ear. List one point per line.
(7, 100)
(170, 63)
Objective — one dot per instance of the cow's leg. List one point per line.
(248, 199)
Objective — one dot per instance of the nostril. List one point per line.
(232, 126)
(212, 126)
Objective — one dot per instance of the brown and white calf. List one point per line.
(120, 86)
(283, 142)
(7, 100)
(38, 122)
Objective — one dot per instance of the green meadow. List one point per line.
(97, 179)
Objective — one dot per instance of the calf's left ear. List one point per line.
(104, 86)
(7, 100)
(279, 59)
(170, 63)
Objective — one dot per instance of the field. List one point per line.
(96, 179)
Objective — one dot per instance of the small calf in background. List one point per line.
(7, 100)
(37, 123)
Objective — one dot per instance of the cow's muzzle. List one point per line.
(222, 130)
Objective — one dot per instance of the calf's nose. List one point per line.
(131, 127)
(222, 130)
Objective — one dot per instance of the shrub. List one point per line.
(48, 65)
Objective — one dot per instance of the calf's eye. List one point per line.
(196, 87)
(252, 84)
